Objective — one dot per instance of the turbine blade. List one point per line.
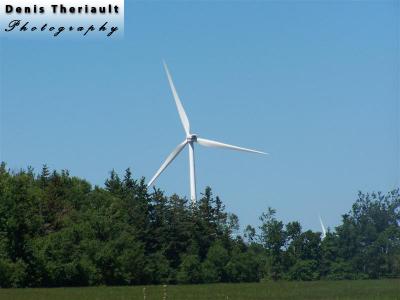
(322, 227)
(169, 159)
(179, 106)
(210, 143)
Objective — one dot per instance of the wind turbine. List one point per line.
(322, 227)
(190, 140)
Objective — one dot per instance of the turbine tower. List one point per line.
(190, 140)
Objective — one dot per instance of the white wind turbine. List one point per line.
(322, 227)
(190, 140)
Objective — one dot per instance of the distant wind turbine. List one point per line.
(190, 140)
(322, 227)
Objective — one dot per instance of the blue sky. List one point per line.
(315, 84)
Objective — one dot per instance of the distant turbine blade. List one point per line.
(169, 159)
(210, 143)
(179, 106)
(322, 227)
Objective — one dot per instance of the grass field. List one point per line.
(367, 289)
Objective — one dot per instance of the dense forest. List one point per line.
(59, 230)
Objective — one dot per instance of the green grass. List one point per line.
(366, 289)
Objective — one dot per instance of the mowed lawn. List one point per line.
(366, 289)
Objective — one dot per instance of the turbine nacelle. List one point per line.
(191, 138)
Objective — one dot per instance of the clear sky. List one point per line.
(315, 84)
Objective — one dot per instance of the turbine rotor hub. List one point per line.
(191, 138)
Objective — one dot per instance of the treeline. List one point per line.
(58, 230)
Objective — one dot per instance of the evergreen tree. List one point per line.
(273, 238)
